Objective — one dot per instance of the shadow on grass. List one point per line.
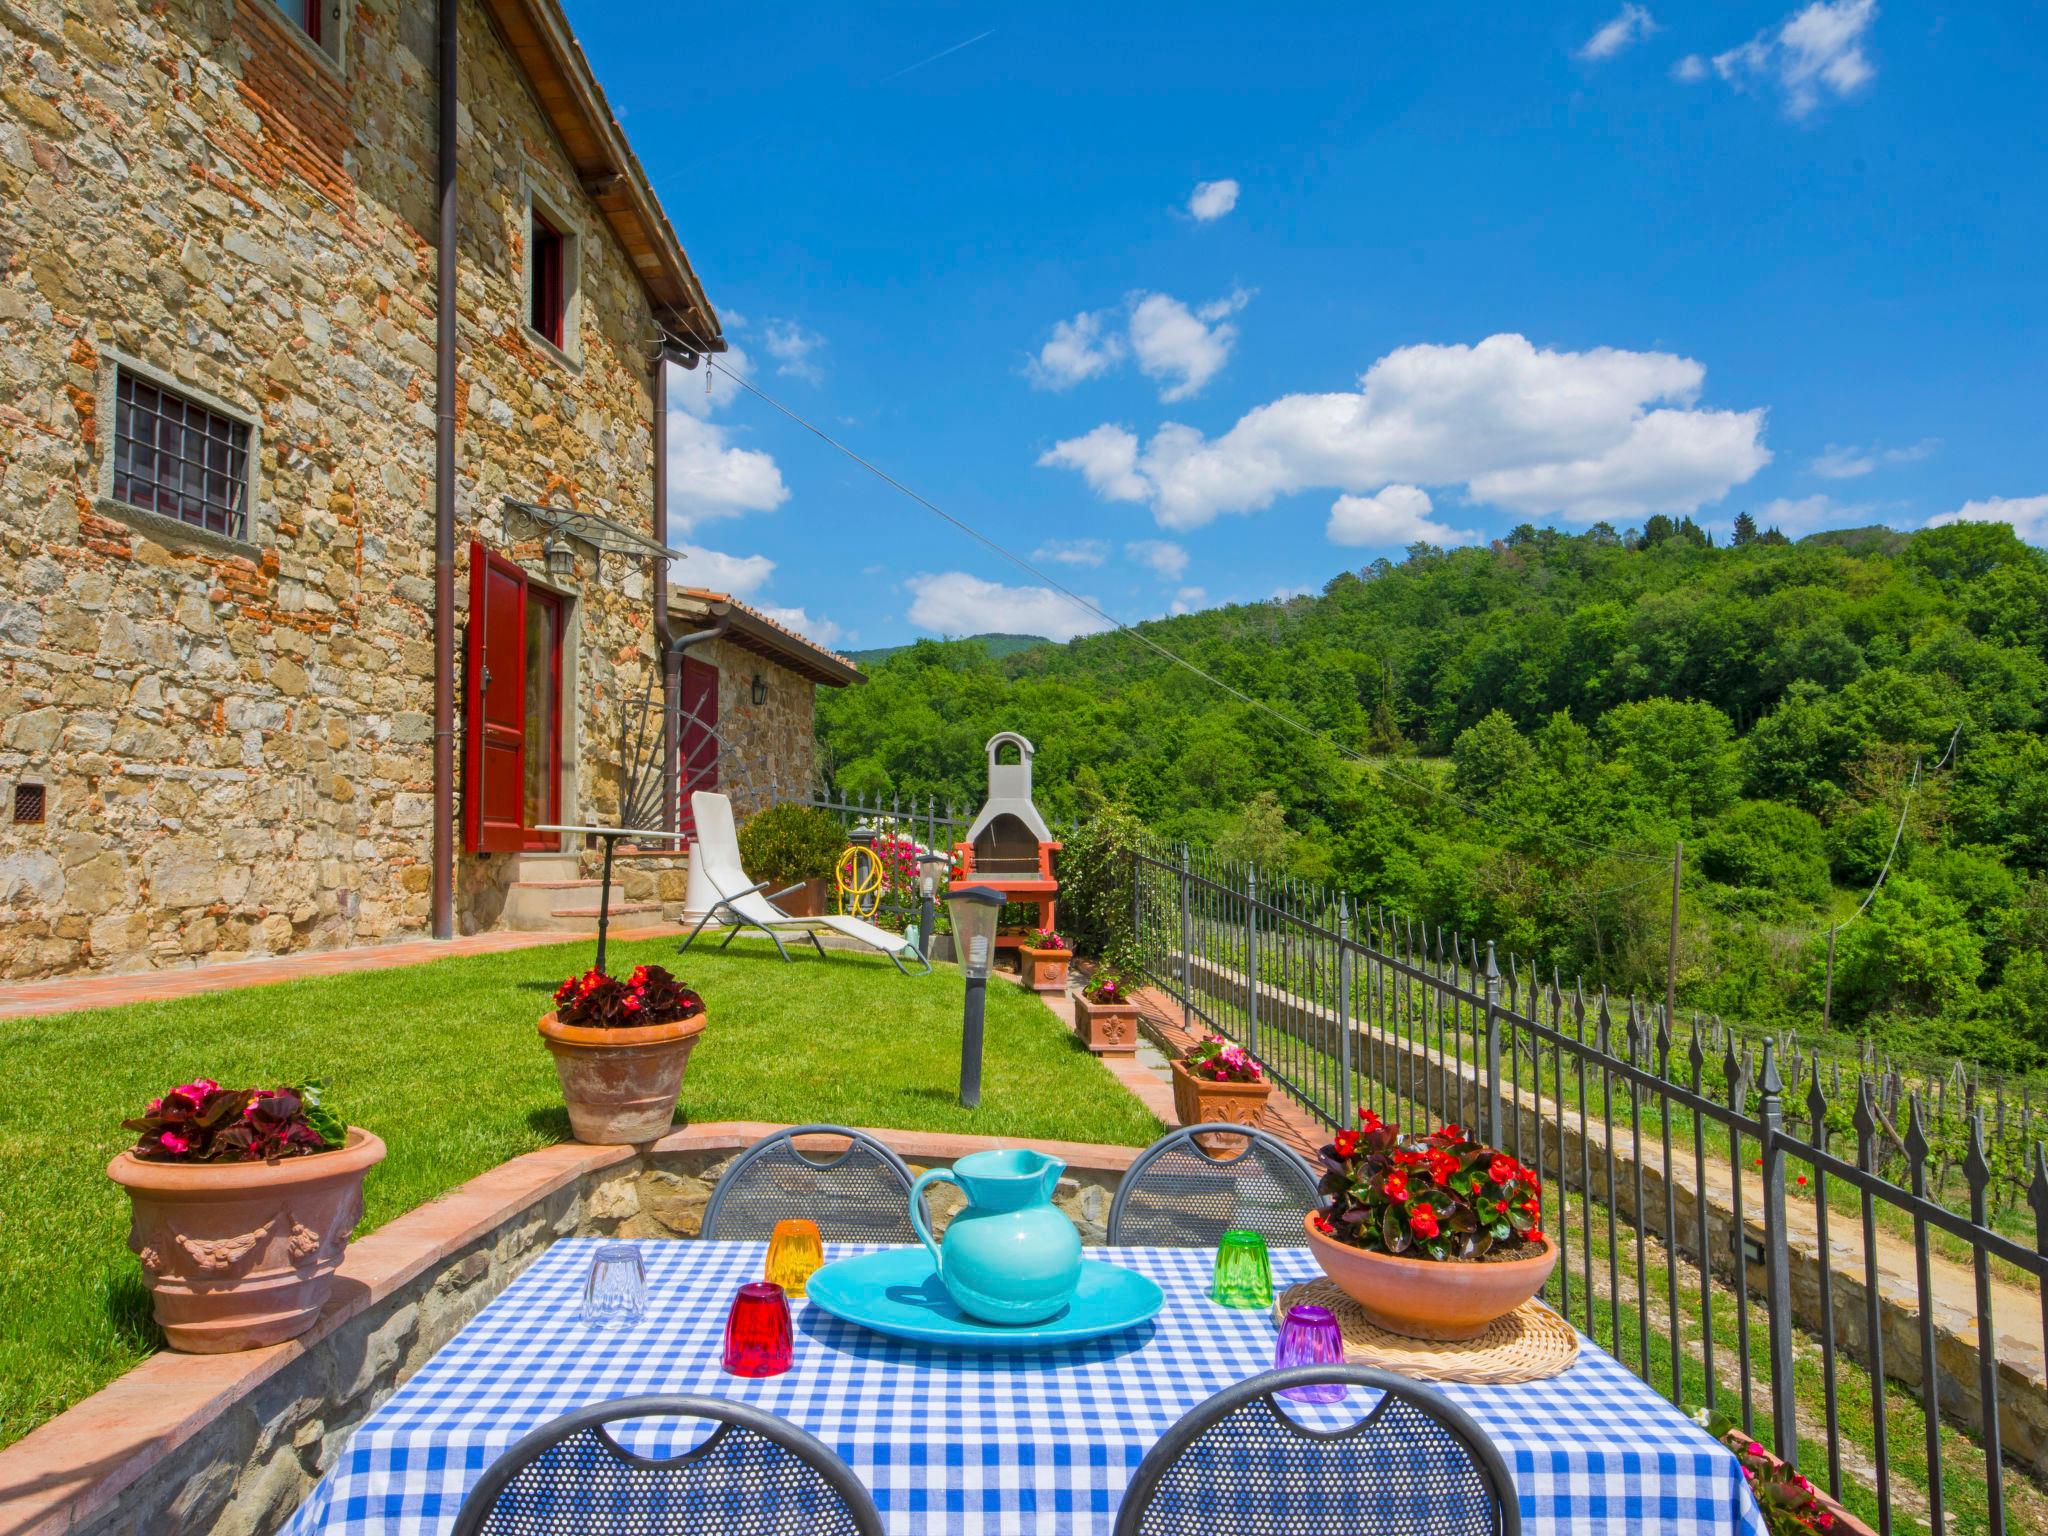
(131, 1316)
(551, 1121)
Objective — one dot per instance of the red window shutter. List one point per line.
(698, 746)
(494, 706)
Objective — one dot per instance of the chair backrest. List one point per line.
(1178, 1195)
(753, 1475)
(718, 841)
(1240, 1465)
(862, 1195)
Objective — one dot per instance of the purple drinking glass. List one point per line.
(1310, 1336)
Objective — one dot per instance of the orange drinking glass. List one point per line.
(795, 1253)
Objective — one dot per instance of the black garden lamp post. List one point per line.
(975, 910)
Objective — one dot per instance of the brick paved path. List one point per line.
(69, 994)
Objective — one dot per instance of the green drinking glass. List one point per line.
(1244, 1274)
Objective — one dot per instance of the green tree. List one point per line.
(1680, 756)
(1911, 952)
(1745, 529)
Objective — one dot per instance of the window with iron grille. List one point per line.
(177, 458)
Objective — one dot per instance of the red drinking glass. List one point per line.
(758, 1340)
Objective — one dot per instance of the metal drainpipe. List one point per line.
(671, 660)
(444, 492)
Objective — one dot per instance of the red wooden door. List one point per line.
(494, 716)
(698, 745)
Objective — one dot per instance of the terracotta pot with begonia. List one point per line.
(1044, 958)
(1218, 1082)
(1435, 1237)
(1105, 1015)
(620, 1048)
(242, 1202)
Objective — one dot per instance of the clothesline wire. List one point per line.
(697, 345)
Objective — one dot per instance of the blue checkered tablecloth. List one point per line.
(974, 1443)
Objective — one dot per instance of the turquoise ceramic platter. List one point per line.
(897, 1292)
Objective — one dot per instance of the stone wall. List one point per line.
(235, 736)
(249, 1435)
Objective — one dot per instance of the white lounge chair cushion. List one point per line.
(719, 844)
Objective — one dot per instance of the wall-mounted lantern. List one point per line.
(760, 690)
(561, 559)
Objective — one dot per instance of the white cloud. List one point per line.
(1188, 599)
(1392, 518)
(708, 477)
(1630, 25)
(1815, 51)
(1690, 70)
(1180, 347)
(1212, 200)
(1840, 462)
(955, 603)
(740, 575)
(1598, 434)
(819, 629)
(1078, 349)
(794, 350)
(1089, 552)
(1107, 458)
(1164, 558)
(2027, 514)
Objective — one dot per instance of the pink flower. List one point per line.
(173, 1143)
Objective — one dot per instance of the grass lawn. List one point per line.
(442, 1061)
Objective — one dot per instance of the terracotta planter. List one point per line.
(1108, 1028)
(1045, 970)
(621, 1085)
(240, 1255)
(1196, 1101)
(813, 898)
(1425, 1299)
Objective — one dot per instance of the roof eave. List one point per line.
(540, 38)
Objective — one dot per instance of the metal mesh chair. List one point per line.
(1239, 1465)
(862, 1195)
(1177, 1195)
(753, 1475)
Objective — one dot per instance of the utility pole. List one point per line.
(1671, 955)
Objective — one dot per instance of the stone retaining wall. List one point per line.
(1407, 1068)
(230, 1445)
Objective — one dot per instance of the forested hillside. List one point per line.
(1541, 720)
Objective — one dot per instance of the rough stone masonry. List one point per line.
(233, 736)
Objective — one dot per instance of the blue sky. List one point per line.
(1201, 304)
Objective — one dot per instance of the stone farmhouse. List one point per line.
(334, 347)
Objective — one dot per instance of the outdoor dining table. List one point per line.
(974, 1442)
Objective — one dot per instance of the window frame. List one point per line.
(322, 30)
(257, 521)
(539, 207)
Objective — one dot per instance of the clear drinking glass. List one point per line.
(615, 1291)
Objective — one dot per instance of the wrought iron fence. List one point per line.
(897, 828)
(1717, 1233)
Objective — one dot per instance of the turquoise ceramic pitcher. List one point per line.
(1012, 1256)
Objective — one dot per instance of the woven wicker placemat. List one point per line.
(1529, 1344)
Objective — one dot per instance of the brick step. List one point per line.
(557, 885)
(618, 908)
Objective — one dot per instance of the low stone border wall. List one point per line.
(1407, 1068)
(230, 1445)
